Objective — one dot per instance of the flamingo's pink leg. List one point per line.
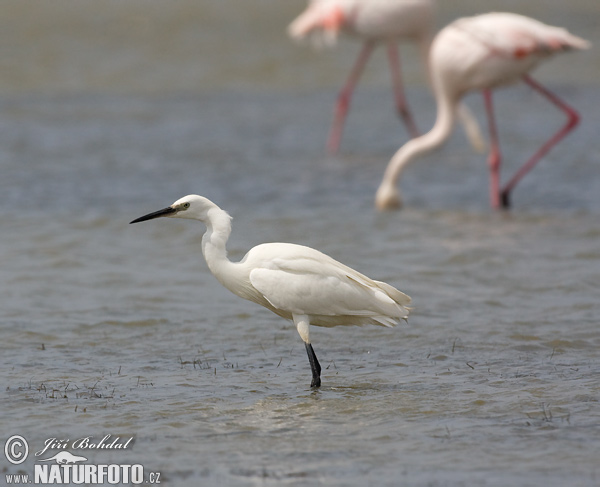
(494, 158)
(400, 99)
(343, 101)
(572, 121)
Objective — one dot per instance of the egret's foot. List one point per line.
(315, 366)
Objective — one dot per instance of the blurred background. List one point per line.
(108, 91)
(156, 47)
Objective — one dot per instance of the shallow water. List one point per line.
(115, 329)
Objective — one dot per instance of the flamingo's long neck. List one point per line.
(446, 112)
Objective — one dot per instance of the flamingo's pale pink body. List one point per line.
(377, 20)
(483, 53)
(374, 21)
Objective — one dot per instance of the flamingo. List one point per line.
(482, 53)
(295, 282)
(376, 21)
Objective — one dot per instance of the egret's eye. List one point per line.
(185, 206)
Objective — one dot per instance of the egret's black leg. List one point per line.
(315, 366)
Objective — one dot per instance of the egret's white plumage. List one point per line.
(296, 282)
(482, 53)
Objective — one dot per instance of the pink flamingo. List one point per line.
(377, 21)
(482, 53)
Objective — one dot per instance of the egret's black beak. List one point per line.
(150, 216)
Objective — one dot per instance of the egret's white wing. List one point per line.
(309, 282)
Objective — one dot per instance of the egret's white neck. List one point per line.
(214, 241)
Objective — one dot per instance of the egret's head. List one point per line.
(192, 206)
(388, 197)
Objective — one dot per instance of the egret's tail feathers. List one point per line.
(385, 321)
(398, 296)
(367, 318)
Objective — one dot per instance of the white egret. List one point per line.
(296, 282)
